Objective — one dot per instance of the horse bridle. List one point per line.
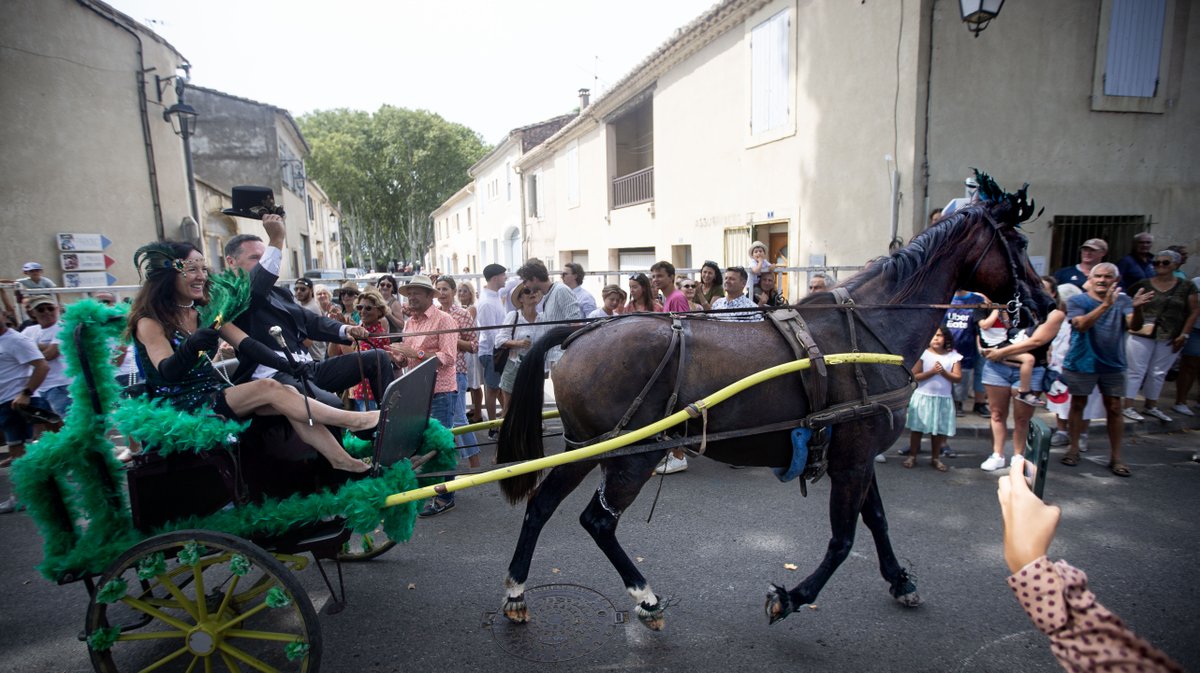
(1013, 306)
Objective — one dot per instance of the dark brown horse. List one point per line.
(980, 248)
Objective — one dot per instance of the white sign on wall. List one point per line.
(82, 242)
(88, 279)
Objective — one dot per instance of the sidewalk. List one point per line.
(975, 427)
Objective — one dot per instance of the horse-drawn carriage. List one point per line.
(209, 569)
(197, 568)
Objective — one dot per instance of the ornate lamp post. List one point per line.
(977, 14)
(183, 121)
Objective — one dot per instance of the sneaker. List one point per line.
(994, 462)
(671, 465)
(1060, 438)
(436, 507)
(1183, 410)
(958, 410)
(1157, 413)
(1133, 415)
(11, 505)
(880, 458)
(948, 452)
(1083, 443)
(982, 409)
(1031, 398)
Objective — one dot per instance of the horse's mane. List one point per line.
(912, 266)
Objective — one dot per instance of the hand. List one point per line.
(1029, 523)
(990, 353)
(358, 332)
(276, 231)
(305, 370)
(1178, 343)
(205, 339)
(20, 401)
(405, 350)
(938, 368)
(1142, 298)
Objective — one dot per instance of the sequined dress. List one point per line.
(200, 390)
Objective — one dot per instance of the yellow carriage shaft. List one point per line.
(467, 481)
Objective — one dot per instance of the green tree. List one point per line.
(389, 170)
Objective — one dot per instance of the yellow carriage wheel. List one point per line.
(366, 546)
(201, 601)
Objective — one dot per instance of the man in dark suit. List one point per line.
(271, 305)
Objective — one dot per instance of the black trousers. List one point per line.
(339, 373)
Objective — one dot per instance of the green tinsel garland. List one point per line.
(112, 591)
(71, 475)
(277, 598)
(296, 650)
(228, 297)
(158, 424)
(102, 639)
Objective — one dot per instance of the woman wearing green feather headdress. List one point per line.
(172, 344)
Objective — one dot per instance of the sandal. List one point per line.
(938, 465)
(910, 462)
(1119, 469)
(1070, 460)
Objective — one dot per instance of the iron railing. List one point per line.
(635, 188)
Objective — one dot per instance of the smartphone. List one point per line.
(1037, 456)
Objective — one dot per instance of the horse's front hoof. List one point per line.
(904, 590)
(651, 616)
(516, 610)
(779, 604)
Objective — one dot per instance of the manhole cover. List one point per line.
(566, 621)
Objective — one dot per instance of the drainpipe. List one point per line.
(151, 166)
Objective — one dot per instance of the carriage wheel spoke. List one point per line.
(263, 635)
(153, 635)
(192, 666)
(187, 605)
(156, 613)
(201, 599)
(247, 659)
(230, 663)
(242, 617)
(228, 595)
(166, 660)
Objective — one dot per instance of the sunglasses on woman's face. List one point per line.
(688, 286)
(1163, 262)
(365, 307)
(387, 285)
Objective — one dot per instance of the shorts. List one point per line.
(1192, 347)
(996, 374)
(16, 429)
(58, 398)
(1112, 384)
(491, 377)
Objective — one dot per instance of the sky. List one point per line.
(492, 66)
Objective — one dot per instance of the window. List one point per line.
(468, 218)
(457, 223)
(635, 259)
(533, 205)
(769, 74)
(310, 207)
(1133, 56)
(1070, 231)
(573, 174)
(508, 181)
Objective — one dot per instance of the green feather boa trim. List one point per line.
(74, 488)
(228, 297)
(157, 424)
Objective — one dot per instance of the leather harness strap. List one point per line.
(797, 335)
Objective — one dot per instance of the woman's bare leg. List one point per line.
(267, 396)
(322, 440)
(999, 398)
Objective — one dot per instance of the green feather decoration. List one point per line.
(74, 488)
(229, 297)
(102, 639)
(239, 565)
(112, 591)
(296, 650)
(277, 598)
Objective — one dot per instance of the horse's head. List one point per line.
(997, 262)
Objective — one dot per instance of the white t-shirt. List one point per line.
(599, 313)
(57, 375)
(937, 386)
(17, 355)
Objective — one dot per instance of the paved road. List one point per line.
(718, 537)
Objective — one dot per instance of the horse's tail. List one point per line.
(521, 432)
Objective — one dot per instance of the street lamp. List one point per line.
(978, 13)
(182, 118)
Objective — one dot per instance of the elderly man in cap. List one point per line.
(971, 195)
(425, 316)
(272, 306)
(489, 312)
(44, 310)
(34, 280)
(1091, 253)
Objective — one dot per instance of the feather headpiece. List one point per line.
(155, 258)
(990, 192)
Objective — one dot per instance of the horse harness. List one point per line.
(795, 331)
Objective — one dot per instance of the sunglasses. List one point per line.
(365, 307)
(688, 286)
(1163, 262)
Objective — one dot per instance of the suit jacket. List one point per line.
(271, 305)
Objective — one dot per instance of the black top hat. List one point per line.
(253, 202)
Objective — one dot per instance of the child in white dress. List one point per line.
(931, 408)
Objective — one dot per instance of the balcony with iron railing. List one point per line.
(634, 188)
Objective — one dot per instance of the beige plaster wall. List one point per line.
(1017, 103)
(496, 217)
(74, 159)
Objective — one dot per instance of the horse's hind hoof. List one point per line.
(904, 590)
(651, 616)
(516, 610)
(779, 604)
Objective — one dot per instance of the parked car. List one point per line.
(331, 274)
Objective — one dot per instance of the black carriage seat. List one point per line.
(404, 414)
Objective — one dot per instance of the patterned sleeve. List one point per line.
(1084, 635)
